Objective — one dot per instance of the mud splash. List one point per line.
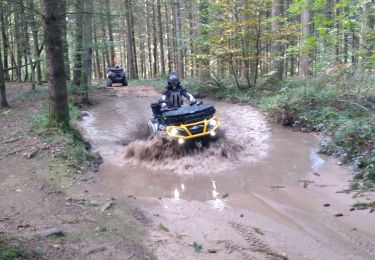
(161, 153)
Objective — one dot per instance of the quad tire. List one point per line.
(109, 83)
(125, 82)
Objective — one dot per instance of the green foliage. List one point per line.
(38, 94)
(319, 104)
(7, 252)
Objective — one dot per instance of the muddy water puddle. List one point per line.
(269, 157)
(258, 176)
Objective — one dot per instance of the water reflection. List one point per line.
(176, 194)
(217, 202)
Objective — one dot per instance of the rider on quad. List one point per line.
(196, 122)
(173, 93)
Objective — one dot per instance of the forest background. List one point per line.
(308, 64)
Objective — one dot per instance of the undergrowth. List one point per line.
(69, 143)
(8, 252)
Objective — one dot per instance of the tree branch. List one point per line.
(26, 7)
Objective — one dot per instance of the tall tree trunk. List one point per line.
(87, 52)
(148, 29)
(180, 53)
(36, 51)
(161, 40)
(99, 71)
(27, 47)
(77, 68)
(129, 40)
(25, 41)
(106, 59)
(204, 20)
(3, 98)
(191, 41)
(369, 26)
(304, 62)
(142, 56)
(58, 94)
(110, 32)
(65, 39)
(154, 40)
(134, 46)
(338, 34)
(18, 38)
(277, 63)
(4, 34)
(167, 22)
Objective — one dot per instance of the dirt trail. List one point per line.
(265, 200)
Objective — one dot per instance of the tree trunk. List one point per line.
(77, 69)
(204, 20)
(148, 29)
(65, 39)
(167, 21)
(134, 46)
(180, 54)
(3, 98)
(27, 47)
(142, 56)
(161, 40)
(18, 39)
(154, 40)
(277, 63)
(25, 41)
(304, 61)
(99, 71)
(87, 52)
(369, 26)
(58, 95)
(36, 51)
(4, 26)
(129, 40)
(191, 41)
(110, 33)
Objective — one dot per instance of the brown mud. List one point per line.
(264, 197)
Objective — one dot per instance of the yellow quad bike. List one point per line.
(196, 122)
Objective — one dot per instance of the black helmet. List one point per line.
(173, 79)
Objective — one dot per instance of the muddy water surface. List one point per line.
(261, 170)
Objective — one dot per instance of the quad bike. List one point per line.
(196, 122)
(116, 75)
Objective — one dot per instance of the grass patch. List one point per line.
(369, 205)
(8, 252)
(38, 94)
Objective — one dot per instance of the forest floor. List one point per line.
(52, 210)
(44, 210)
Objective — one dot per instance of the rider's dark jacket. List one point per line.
(173, 97)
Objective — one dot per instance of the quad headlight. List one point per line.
(174, 131)
(212, 123)
(177, 131)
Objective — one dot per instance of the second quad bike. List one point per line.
(116, 75)
(196, 122)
